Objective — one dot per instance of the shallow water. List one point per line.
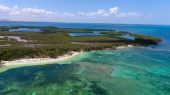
(94, 33)
(128, 37)
(126, 71)
(26, 30)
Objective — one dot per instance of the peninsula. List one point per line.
(22, 43)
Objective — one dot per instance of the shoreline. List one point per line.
(128, 46)
(6, 65)
(35, 61)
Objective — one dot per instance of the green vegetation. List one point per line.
(53, 42)
(145, 40)
(115, 33)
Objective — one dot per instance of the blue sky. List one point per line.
(88, 11)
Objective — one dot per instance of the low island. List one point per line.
(19, 44)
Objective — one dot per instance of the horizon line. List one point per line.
(8, 21)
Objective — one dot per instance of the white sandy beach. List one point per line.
(38, 60)
(46, 60)
(120, 47)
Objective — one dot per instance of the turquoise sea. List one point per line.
(126, 71)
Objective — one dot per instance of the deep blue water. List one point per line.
(127, 71)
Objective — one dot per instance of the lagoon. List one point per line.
(25, 30)
(94, 33)
(127, 36)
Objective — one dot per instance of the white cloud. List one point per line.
(4, 8)
(30, 11)
(41, 14)
(114, 10)
(101, 12)
(129, 14)
(24, 11)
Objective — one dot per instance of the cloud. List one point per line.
(114, 10)
(101, 12)
(24, 11)
(129, 14)
(30, 11)
(18, 13)
(4, 8)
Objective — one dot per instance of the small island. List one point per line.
(48, 43)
